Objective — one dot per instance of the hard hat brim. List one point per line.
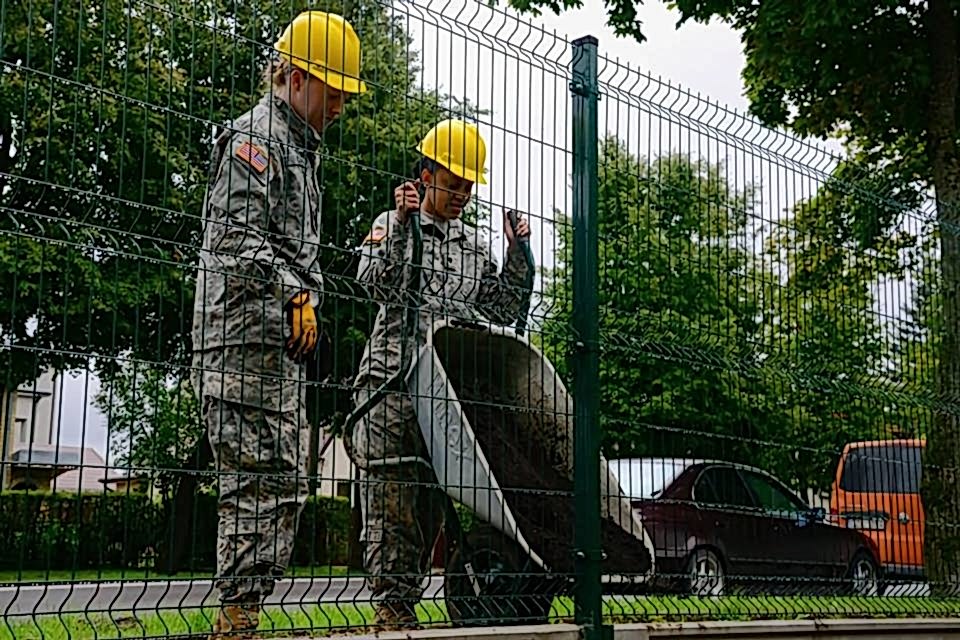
(470, 175)
(343, 83)
(332, 79)
(338, 81)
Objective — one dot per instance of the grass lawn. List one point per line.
(87, 575)
(328, 618)
(334, 618)
(667, 608)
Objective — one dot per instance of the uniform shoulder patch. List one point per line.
(376, 235)
(253, 155)
(378, 230)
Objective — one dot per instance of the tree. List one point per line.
(886, 76)
(154, 419)
(97, 175)
(678, 300)
(106, 119)
(106, 116)
(707, 352)
(822, 338)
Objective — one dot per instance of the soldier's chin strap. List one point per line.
(528, 281)
(396, 382)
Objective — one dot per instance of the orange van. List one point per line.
(877, 491)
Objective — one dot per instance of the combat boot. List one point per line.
(236, 622)
(392, 616)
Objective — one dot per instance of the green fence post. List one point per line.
(588, 603)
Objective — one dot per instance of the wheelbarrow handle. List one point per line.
(413, 286)
(514, 219)
(396, 382)
(524, 241)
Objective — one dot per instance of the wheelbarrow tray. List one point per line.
(498, 424)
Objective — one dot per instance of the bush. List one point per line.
(324, 534)
(65, 531)
(110, 530)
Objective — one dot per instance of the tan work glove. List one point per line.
(302, 323)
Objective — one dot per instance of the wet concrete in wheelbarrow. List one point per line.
(540, 497)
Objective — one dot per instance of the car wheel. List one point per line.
(705, 574)
(491, 581)
(863, 576)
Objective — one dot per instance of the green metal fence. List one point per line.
(700, 389)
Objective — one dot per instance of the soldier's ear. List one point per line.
(297, 79)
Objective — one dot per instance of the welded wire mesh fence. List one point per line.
(754, 358)
(769, 361)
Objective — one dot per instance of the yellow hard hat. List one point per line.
(458, 146)
(325, 46)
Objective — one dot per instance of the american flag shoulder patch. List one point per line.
(376, 236)
(254, 156)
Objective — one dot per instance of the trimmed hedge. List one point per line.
(57, 531)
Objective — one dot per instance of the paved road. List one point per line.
(157, 595)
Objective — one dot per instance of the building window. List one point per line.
(23, 431)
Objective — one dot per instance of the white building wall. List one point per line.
(335, 470)
(29, 418)
(35, 416)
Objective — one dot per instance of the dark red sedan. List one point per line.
(716, 525)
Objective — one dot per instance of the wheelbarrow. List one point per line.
(497, 422)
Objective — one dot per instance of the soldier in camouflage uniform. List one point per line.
(402, 512)
(255, 323)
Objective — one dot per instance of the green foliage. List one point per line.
(918, 346)
(826, 341)
(61, 531)
(857, 66)
(678, 310)
(153, 420)
(709, 350)
(468, 519)
(622, 14)
(106, 116)
(97, 152)
(885, 77)
(43, 531)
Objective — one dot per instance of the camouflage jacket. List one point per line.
(458, 280)
(261, 216)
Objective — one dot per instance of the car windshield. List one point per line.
(647, 478)
(882, 469)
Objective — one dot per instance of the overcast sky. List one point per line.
(520, 73)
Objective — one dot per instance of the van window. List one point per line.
(885, 469)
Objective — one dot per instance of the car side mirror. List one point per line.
(811, 516)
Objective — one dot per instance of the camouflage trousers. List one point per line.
(403, 507)
(260, 447)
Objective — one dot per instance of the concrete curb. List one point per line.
(839, 629)
(518, 632)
